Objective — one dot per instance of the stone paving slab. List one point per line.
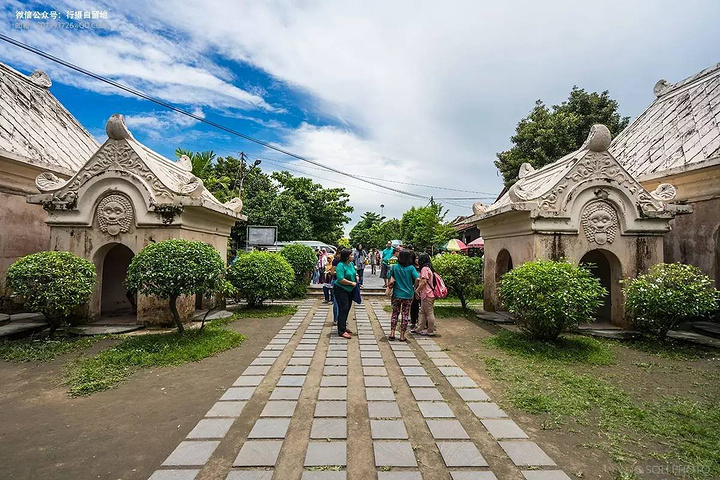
(226, 409)
(285, 393)
(486, 410)
(462, 382)
(238, 393)
(250, 475)
(381, 393)
(376, 381)
(404, 475)
(174, 475)
(258, 453)
(291, 381)
(335, 428)
(248, 381)
(270, 428)
(545, 475)
(473, 395)
(326, 454)
(383, 410)
(279, 408)
(472, 475)
(191, 453)
(461, 454)
(427, 394)
(447, 430)
(526, 454)
(420, 381)
(332, 393)
(333, 408)
(388, 430)
(336, 381)
(326, 475)
(211, 428)
(504, 429)
(393, 454)
(435, 410)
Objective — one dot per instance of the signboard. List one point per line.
(261, 235)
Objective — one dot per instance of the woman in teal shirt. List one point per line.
(343, 287)
(403, 275)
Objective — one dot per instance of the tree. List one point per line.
(461, 274)
(548, 297)
(381, 233)
(172, 268)
(425, 227)
(52, 283)
(548, 134)
(361, 232)
(259, 276)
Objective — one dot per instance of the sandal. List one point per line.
(403, 339)
(391, 338)
(347, 330)
(345, 335)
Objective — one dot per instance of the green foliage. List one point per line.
(361, 232)
(546, 135)
(108, 368)
(302, 259)
(259, 276)
(201, 161)
(548, 297)
(172, 268)
(343, 242)
(425, 227)
(300, 208)
(52, 283)
(668, 294)
(461, 274)
(380, 233)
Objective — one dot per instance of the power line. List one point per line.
(169, 106)
(361, 178)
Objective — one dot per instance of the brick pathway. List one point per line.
(313, 406)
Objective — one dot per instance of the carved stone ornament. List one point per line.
(661, 87)
(664, 192)
(41, 79)
(114, 214)
(235, 204)
(598, 140)
(525, 170)
(116, 128)
(479, 208)
(600, 222)
(48, 181)
(185, 163)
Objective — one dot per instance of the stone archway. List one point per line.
(503, 264)
(114, 298)
(606, 267)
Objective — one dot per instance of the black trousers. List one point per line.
(344, 302)
(414, 311)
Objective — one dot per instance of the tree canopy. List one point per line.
(548, 134)
(301, 208)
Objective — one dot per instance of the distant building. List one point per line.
(676, 140)
(37, 134)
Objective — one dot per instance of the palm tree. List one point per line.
(201, 161)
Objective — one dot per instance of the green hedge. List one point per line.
(260, 276)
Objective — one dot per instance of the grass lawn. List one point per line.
(265, 311)
(41, 348)
(106, 369)
(639, 412)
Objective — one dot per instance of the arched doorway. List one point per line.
(503, 264)
(114, 298)
(606, 267)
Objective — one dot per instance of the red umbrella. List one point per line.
(477, 243)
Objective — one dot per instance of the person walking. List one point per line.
(415, 305)
(425, 290)
(360, 256)
(332, 266)
(384, 265)
(373, 261)
(402, 276)
(345, 282)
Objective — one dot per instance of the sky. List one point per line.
(416, 91)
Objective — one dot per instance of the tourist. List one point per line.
(425, 287)
(373, 261)
(360, 256)
(345, 282)
(403, 276)
(415, 305)
(384, 266)
(332, 266)
(321, 265)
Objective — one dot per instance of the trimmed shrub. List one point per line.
(259, 276)
(548, 297)
(172, 268)
(302, 259)
(668, 294)
(462, 275)
(52, 283)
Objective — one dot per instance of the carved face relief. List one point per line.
(114, 214)
(600, 223)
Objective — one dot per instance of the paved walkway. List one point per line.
(313, 406)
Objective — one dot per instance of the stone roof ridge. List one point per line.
(168, 182)
(663, 89)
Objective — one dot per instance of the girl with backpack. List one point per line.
(425, 289)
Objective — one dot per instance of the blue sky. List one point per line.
(415, 91)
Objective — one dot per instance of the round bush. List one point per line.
(668, 294)
(259, 276)
(52, 283)
(302, 259)
(462, 275)
(548, 297)
(172, 268)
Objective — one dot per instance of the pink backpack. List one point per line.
(439, 288)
